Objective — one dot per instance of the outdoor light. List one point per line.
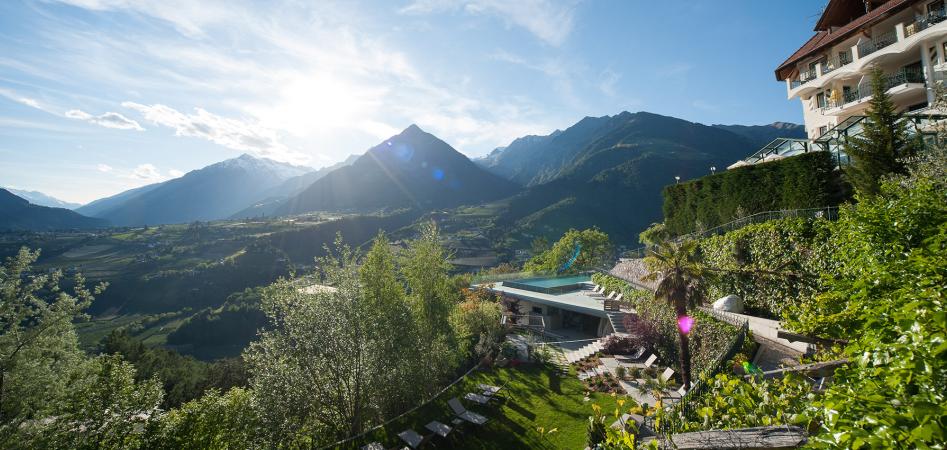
(685, 323)
(713, 169)
(677, 179)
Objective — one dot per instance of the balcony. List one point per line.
(835, 63)
(877, 43)
(912, 80)
(804, 78)
(925, 22)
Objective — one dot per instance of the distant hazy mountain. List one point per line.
(17, 213)
(41, 199)
(97, 207)
(411, 169)
(273, 198)
(761, 135)
(615, 178)
(214, 192)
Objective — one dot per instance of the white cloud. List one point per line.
(235, 134)
(107, 120)
(31, 102)
(175, 173)
(147, 172)
(609, 80)
(552, 22)
(104, 168)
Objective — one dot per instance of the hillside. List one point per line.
(41, 199)
(761, 135)
(413, 169)
(19, 214)
(214, 192)
(615, 179)
(96, 207)
(276, 196)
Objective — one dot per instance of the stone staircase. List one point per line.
(588, 350)
(617, 319)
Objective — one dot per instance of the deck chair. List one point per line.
(462, 412)
(667, 374)
(610, 296)
(682, 391)
(373, 446)
(618, 299)
(412, 438)
(651, 360)
(637, 355)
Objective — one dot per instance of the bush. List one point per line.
(803, 181)
(621, 372)
(620, 345)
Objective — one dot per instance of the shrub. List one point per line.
(621, 372)
(620, 345)
(803, 181)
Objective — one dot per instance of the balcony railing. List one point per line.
(924, 22)
(877, 43)
(804, 78)
(902, 76)
(835, 63)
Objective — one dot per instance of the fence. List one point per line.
(685, 407)
(828, 213)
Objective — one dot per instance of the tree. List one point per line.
(883, 146)
(593, 246)
(654, 234)
(220, 421)
(680, 282)
(38, 344)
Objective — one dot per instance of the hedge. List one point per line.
(804, 181)
(784, 247)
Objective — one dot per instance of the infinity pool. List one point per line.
(554, 285)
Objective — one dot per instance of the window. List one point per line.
(935, 8)
(822, 130)
(820, 100)
(537, 310)
(845, 57)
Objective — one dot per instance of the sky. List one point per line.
(100, 96)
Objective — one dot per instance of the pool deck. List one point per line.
(577, 301)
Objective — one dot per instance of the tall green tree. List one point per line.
(594, 250)
(38, 344)
(680, 282)
(883, 146)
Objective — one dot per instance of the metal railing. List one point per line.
(685, 407)
(904, 75)
(805, 77)
(834, 63)
(877, 43)
(924, 22)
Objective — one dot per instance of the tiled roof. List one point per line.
(825, 39)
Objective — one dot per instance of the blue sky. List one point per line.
(99, 96)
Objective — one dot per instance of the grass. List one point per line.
(535, 396)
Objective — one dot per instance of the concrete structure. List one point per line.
(576, 311)
(830, 73)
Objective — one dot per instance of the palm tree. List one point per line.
(680, 282)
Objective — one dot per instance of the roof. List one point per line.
(826, 38)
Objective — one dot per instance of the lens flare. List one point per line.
(438, 174)
(685, 323)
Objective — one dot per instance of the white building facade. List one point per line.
(830, 74)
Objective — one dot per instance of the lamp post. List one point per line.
(677, 179)
(713, 169)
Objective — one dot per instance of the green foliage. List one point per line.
(734, 402)
(629, 292)
(654, 235)
(476, 322)
(219, 421)
(225, 330)
(596, 251)
(183, 377)
(38, 345)
(789, 247)
(803, 181)
(109, 407)
(883, 145)
(865, 241)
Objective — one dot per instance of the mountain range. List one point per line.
(17, 213)
(602, 171)
(41, 199)
(413, 169)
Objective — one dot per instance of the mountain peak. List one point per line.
(412, 129)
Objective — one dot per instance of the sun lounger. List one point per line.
(412, 438)
(438, 428)
(651, 360)
(373, 446)
(667, 374)
(462, 412)
(489, 390)
(637, 355)
(477, 398)
(619, 297)
(610, 296)
(682, 391)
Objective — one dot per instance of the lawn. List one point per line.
(535, 397)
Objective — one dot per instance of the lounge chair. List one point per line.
(682, 391)
(618, 299)
(598, 291)
(651, 360)
(412, 438)
(637, 355)
(462, 412)
(477, 398)
(373, 446)
(438, 428)
(490, 390)
(610, 296)
(667, 374)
